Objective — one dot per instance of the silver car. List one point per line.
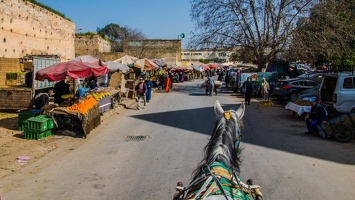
(337, 92)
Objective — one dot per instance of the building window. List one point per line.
(222, 54)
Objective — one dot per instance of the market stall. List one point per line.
(299, 107)
(83, 115)
(82, 111)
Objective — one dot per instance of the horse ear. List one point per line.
(240, 111)
(218, 108)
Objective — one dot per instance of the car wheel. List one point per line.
(293, 96)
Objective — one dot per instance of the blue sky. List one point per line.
(157, 19)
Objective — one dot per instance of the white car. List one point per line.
(337, 91)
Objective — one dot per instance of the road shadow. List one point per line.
(186, 119)
(272, 127)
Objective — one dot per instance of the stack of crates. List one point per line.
(38, 127)
(22, 118)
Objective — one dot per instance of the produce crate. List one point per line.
(38, 124)
(47, 133)
(33, 134)
(23, 125)
(265, 103)
(50, 123)
(23, 116)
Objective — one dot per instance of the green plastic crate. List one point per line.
(33, 134)
(22, 126)
(22, 117)
(47, 133)
(50, 123)
(37, 124)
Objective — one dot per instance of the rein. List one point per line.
(216, 177)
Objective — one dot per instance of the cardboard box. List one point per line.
(132, 76)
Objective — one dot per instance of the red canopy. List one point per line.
(212, 65)
(73, 69)
(206, 67)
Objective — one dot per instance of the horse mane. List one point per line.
(222, 145)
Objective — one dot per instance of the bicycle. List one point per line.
(341, 131)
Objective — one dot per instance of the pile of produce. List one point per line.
(302, 103)
(100, 95)
(84, 105)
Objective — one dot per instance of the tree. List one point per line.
(264, 26)
(118, 35)
(328, 34)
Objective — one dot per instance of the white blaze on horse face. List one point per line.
(218, 108)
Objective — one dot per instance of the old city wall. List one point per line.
(170, 50)
(29, 29)
(91, 45)
(26, 28)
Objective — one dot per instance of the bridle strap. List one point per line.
(217, 182)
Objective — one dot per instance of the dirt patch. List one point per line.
(13, 144)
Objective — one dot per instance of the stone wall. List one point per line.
(170, 50)
(26, 28)
(91, 45)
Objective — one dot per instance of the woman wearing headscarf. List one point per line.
(264, 89)
(167, 82)
(149, 84)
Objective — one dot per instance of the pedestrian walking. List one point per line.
(248, 88)
(141, 89)
(167, 82)
(210, 85)
(149, 85)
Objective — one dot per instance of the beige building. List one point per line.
(91, 45)
(26, 28)
(168, 50)
(188, 56)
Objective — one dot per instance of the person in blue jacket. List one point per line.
(149, 84)
(141, 89)
(319, 115)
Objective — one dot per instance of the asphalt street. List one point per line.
(142, 154)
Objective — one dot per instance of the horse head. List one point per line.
(216, 176)
(224, 144)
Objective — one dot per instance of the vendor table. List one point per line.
(300, 110)
(87, 121)
(115, 95)
(104, 104)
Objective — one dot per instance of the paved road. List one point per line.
(175, 127)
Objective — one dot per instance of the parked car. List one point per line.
(313, 76)
(309, 93)
(291, 88)
(337, 92)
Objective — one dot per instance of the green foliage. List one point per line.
(91, 34)
(48, 8)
